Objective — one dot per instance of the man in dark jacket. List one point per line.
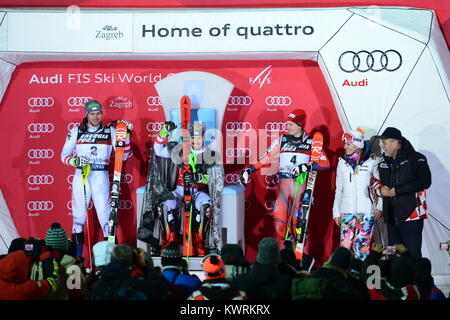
(404, 176)
(265, 281)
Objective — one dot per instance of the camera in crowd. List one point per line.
(33, 247)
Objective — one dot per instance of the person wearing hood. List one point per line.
(354, 211)
(216, 286)
(14, 279)
(404, 176)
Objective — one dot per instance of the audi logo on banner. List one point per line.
(40, 153)
(276, 126)
(232, 178)
(125, 204)
(239, 101)
(364, 61)
(154, 126)
(247, 204)
(238, 152)
(40, 179)
(70, 205)
(72, 125)
(78, 101)
(272, 179)
(125, 178)
(270, 204)
(278, 101)
(41, 102)
(238, 126)
(41, 127)
(153, 101)
(40, 205)
(70, 178)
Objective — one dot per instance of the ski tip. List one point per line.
(185, 100)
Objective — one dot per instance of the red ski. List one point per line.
(301, 229)
(185, 110)
(121, 135)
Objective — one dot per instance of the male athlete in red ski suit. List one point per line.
(294, 151)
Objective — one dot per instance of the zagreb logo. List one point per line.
(154, 126)
(40, 153)
(109, 33)
(153, 101)
(40, 205)
(364, 61)
(238, 126)
(239, 101)
(41, 127)
(41, 102)
(78, 101)
(278, 101)
(275, 126)
(40, 179)
(232, 178)
(120, 103)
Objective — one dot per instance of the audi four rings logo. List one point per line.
(40, 179)
(270, 204)
(125, 204)
(41, 127)
(40, 153)
(154, 101)
(272, 179)
(70, 205)
(72, 125)
(78, 101)
(375, 60)
(238, 126)
(247, 204)
(41, 102)
(232, 178)
(40, 205)
(278, 101)
(240, 101)
(154, 126)
(238, 152)
(125, 178)
(70, 178)
(276, 126)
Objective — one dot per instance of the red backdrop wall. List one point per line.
(39, 114)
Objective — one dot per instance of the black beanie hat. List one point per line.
(341, 258)
(17, 244)
(402, 271)
(171, 256)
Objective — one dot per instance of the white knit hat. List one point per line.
(102, 253)
(355, 137)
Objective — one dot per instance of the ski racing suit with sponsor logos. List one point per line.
(96, 145)
(291, 152)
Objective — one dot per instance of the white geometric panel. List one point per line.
(368, 65)
(414, 23)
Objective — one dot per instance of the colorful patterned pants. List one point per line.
(356, 233)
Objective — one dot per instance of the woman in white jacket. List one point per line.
(354, 210)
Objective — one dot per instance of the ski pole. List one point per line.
(84, 174)
(298, 182)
